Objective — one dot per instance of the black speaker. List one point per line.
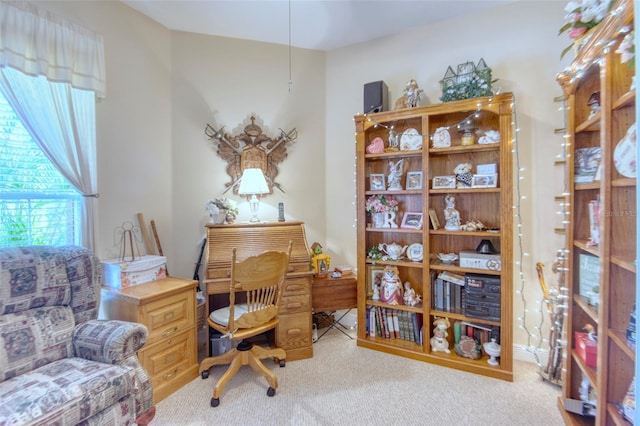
(376, 97)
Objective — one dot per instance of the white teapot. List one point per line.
(393, 250)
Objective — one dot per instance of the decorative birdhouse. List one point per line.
(470, 81)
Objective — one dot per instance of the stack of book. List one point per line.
(392, 323)
(447, 292)
(481, 333)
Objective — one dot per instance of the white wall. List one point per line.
(163, 88)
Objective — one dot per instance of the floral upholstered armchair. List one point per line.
(58, 363)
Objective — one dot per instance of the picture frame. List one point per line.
(485, 181)
(414, 180)
(443, 182)
(433, 216)
(374, 277)
(377, 182)
(412, 220)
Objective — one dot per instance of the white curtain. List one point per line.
(56, 104)
(61, 119)
(38, 42)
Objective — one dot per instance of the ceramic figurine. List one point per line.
(391, 287)
(411, 96)
(395, 174)
(410, 296)
(439, 342)
(441, 138)
(490, 136)
(463, 175)
(451, 215)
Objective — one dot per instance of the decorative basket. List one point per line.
(202, 323)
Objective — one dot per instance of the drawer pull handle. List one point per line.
(294, 287)
(169, 332)
(294, 331)
(294, 305)
(170, 376)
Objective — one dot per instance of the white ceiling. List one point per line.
(315, 24)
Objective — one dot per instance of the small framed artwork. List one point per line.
(433, 216)
(376, 182)
(411, 220)
(374, 278)
(414, 180)
(484, 181)
(443, 182)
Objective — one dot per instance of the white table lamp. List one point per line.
(253, 183)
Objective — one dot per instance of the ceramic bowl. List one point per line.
(447, 257)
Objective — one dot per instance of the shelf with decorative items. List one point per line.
(601, 234)
(412, 161)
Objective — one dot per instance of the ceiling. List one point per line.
(315, 24)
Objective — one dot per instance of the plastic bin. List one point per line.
(221, 345)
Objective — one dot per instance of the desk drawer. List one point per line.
(169, 316)
(169, 357)
(297, 285)
(294, 331)
(295, 304)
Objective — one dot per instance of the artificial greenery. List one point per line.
(478, 84)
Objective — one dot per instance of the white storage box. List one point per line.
(120, 274)
(473, 259)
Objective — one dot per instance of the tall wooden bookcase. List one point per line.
(493, 206)
(598, 68)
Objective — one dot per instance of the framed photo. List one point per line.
(376, 182)
(485, 181)
(411, 220)
(374, 278)
(414, 180)
(433, 216)
(443, 182)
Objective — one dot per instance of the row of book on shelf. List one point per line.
(392, 323)
(447, 292)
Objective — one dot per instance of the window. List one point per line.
(38, 206)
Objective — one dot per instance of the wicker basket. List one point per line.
(202, 323)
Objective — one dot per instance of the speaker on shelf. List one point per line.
(376, 97)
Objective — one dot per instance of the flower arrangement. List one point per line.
(471, 81)
(380, 204)
(221, 203)
(583, 16)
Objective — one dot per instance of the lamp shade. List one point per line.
(253, 182)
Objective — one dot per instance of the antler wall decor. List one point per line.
(251, 149)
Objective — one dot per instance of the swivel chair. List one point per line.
(260, 279)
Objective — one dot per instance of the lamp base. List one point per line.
(254, 203)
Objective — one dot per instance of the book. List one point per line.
(412, 332)
(396, 324)
(372, 321)
(452, 277)
(594, 222)
(586, 162)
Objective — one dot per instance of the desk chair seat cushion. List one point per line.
(221, 316)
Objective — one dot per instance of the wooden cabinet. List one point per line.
(293, 333)
(598, 68)
(492, 205)
(167, 308)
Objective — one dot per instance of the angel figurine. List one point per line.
(395, 174)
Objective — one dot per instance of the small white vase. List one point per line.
(378, 220)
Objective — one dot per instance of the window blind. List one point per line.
(38, 206)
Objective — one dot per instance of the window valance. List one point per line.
(37, 42)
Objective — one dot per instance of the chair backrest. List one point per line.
(260, 278)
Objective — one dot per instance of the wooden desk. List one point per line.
(334, 294)
(293, 333)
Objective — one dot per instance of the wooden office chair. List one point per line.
(260, 278)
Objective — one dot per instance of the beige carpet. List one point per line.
(346, 385)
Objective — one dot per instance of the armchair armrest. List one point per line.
(111, 342)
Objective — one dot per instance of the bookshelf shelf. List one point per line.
(493, 206)
(601, 70)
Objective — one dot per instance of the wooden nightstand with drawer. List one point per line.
(167, 308)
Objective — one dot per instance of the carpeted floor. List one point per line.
(346, 385)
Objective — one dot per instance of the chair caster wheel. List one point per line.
(215, 402)
(271, 391)
(204, 374)
(282, 363)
